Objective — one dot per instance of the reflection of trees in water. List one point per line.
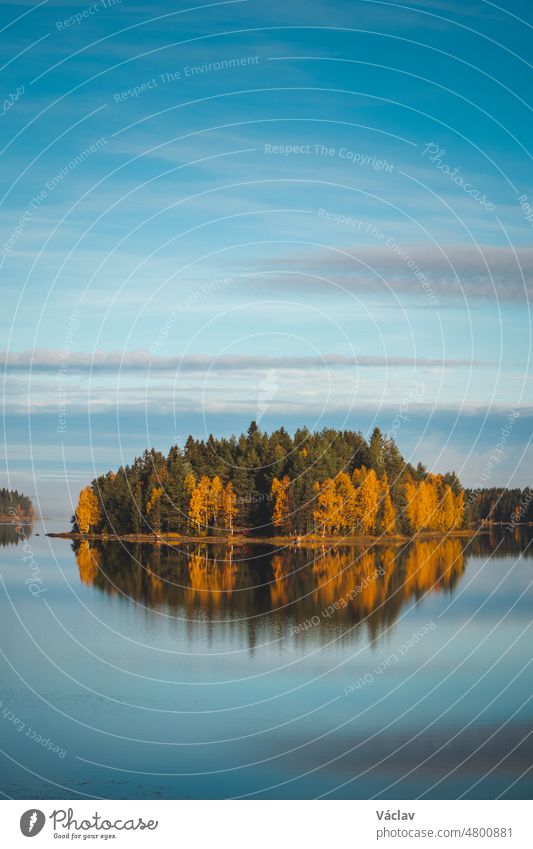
(210, 581)
(13, 533)
(503, 541)
(341, 586)
(88, 560)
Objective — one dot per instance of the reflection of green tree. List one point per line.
(11, 534)
(356, 584)
(503, 542)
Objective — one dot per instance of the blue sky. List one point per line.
(301, 213)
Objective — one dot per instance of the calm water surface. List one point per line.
(143, 672)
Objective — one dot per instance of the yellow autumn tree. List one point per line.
(347, 499)
(229, 506)
(281, 501)
(458, 509)
(411, 503)
(87, 511)
(428, 503)
(368, 502)
(447, 510)
(155, 496)
(431, 505)
(214, 499)
(153, 508)
(189, 482)
(208, 501)
(388, 513)
(327, 513)
(198, 508)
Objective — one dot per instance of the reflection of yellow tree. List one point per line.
(210, 580)
(88, 560)
(367, 580)
(279, 588)
(351, 580)
(432, 564)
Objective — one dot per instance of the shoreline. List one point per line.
(293, 540)
(16, 520)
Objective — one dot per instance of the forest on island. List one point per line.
(313, 483)
(14, 505)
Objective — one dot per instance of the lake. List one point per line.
(210, 672)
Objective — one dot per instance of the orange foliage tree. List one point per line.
(229, 506)
(87, 511)
(280, 512)
(211, 502)
(328, 511)
(388, 513)
(432, 505)
(368, 501)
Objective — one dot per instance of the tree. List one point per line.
(368, 501)
(447, 510)
(199, 504)
(411, 504)
(214, 499)
(153, 508)
(388, 513)
(327, 513)
(346, 495)
(229, 506)
(88, 561)
(327, 479)
(281, 501)
(458, 509)
(87, 511)
(136, 508)
(376, 451)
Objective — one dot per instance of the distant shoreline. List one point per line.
(309, 541)
(15, 520)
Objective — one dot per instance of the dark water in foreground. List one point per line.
(135, 672)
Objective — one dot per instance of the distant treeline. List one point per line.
(14, 505)
(325, 483)
(499, 505)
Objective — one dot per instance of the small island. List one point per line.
(15, 507)
(307, 489)
(312, 486)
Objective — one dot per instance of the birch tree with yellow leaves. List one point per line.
(87, 512)
(229, 506)
(280, 512)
